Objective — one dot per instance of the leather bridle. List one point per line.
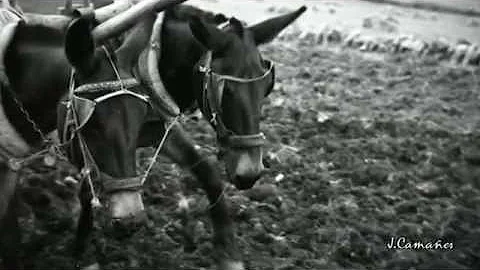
(79, 111)
(211, 104)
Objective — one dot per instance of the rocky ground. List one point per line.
(362, 148)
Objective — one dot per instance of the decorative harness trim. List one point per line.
(113, 88)
(212, 104)
(118, 87)
(85, 111)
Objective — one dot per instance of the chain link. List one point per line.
(28, 117)
(50, 147)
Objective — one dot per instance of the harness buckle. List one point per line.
(14, 164)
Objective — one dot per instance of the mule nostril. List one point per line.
(245, 183)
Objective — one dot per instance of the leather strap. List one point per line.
(111, 185)
(212, 95)
(246, 141)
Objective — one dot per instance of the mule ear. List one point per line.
(267, 30)
(208, 35)
(220, 18)
(79, 45)
(237, 26)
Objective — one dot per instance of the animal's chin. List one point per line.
(241, 183)
(245, 183)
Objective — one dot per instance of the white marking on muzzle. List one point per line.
(247, 166)
(124, 204)
(231, 265)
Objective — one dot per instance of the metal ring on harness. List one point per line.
(80, 109)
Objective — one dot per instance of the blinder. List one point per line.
(270, 88)
(212, 95)
(84, 107)
(81, 106)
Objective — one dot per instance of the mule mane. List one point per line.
(38, 72)
(185, 13)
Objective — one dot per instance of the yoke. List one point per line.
(148, 61)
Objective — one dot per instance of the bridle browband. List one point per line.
(212, 93)
(113, 88)
(79, 111)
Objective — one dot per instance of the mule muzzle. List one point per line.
(247, 173)
(244, 165)
(125, 202)
(127, 222)
(242, 182)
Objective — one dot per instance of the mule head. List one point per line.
(234, 79)
(110, 104)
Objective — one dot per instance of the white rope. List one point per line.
(159, 148)
(113, 66)
(86, 170)
(157, 153)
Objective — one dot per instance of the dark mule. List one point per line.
(38, 70)
(222, 72)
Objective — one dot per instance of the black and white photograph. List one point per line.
(239, 134)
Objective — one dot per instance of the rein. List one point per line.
(212, 94)
(80, 109)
